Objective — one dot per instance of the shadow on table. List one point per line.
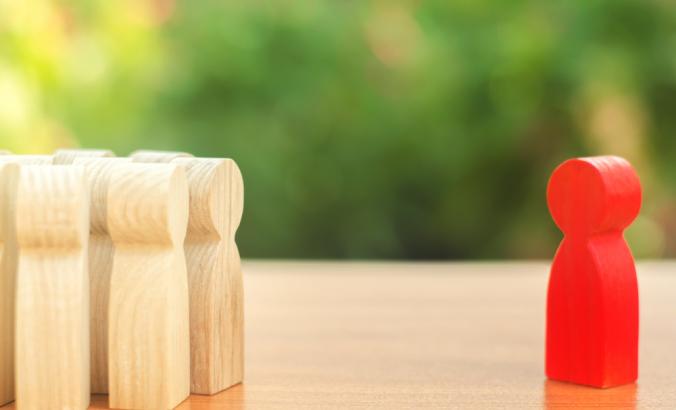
(565, 395)
(231, 399)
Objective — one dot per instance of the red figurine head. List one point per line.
(593, 195)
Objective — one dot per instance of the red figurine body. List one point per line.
(592, 302)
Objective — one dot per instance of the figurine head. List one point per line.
(593, 195)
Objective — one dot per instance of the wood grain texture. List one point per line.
(68, 156)
(8, 260)
(150, 156)
(214, 269)
(424, 335)
(28, 159)
(214, 273)
(98, 171)
(148, 333)
(8, 275)
(52, 315)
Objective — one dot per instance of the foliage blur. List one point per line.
(364, 129)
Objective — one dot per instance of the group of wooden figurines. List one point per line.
(119, 276)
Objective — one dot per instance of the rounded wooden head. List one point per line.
(216, 195)
(68, 156)
(98, 176)
(147, 204)
(157, 156)
(592, 195)
(52, 206)
(28, 159)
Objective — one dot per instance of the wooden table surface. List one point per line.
(426, 335)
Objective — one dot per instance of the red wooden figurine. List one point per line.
(592, 302)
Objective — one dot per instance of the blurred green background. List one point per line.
(364, 129)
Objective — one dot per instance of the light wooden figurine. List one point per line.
(100, 259)
(214, 270)
(8, 267)
(8, 181)
(52, 315)
(148, 333)
(9, 254)
(9, 259)
(68, 156)
(100, 265)
(214, 273)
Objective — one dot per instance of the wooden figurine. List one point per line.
(8, 266)
(100, 265)
(148, 333)
(8, 180)
(52, 315)
(68, 156)
(214, 270)
(9, 255)
(592, 303)
(214, 273)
